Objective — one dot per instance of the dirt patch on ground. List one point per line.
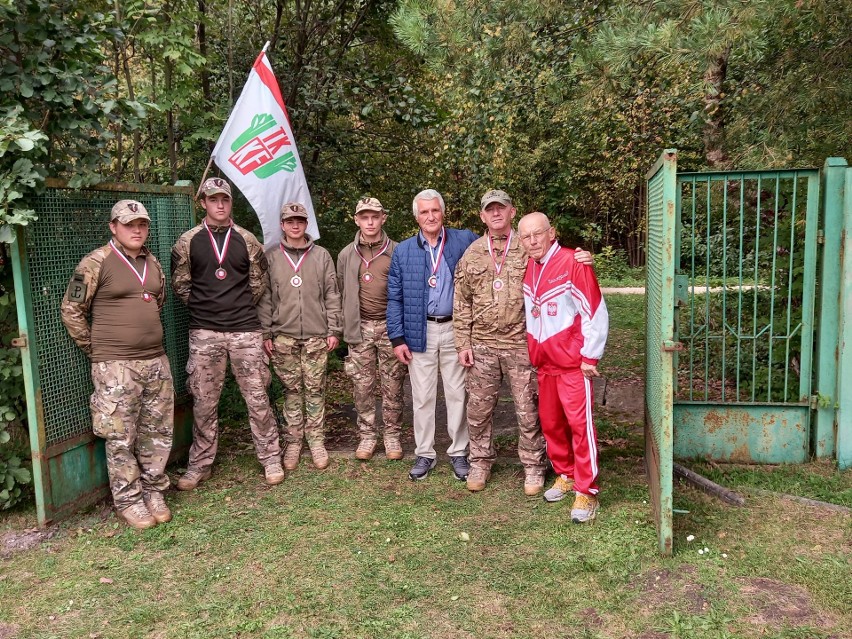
(775, 604)
(14, 541)
(8, 630)
(662, 587)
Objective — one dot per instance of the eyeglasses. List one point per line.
(526, 237)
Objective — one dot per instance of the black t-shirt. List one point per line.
(220, 304)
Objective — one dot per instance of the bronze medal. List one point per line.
(295, 281)
(433, 281)
(221, 274)
(367, 277)
(498, 284)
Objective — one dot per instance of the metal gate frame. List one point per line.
(659, 343)
(828, 320)
(751, 426)
(69, 468)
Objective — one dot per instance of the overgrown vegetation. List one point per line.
(14, 474)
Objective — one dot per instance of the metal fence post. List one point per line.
(844, 344)
(831, 194)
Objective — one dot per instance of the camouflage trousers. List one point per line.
(484, 379)
(133, 410)
(208, 358)
(370, 362)
(301, 366)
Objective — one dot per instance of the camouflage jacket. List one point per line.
(75, 314)
(181, 274)
(481, 313)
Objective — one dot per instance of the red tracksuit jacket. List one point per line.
(567, 320)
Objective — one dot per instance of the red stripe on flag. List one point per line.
(266, 76)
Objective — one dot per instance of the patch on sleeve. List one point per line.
(77, 289)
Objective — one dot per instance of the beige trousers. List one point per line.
(440, 354)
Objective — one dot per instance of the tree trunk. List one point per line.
(119, 138)
(202, 49)
(170, 122)
(714, 128)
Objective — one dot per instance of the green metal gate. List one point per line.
(69, 467)
(747, 349)
(659, 342)
(746, 271)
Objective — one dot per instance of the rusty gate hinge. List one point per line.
(670, 347)
(19, 342)
(820, 236)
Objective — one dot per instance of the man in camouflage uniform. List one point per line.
(122, 287)
(490, 335)
(300, 314)
(219, 271)
(362, 274)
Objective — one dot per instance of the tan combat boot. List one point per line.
(138, 517)
(274, 474)
(365, 449)
(292, 453)
(192, 477)
(156, 505)
(477, 478)
(393, 448)
(533, 481)
(319, 454)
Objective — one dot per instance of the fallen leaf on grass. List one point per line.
(105, 580)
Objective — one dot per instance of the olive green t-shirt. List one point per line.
(124, 324)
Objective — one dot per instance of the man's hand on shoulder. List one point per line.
(584, 257)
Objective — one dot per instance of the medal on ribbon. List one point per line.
(146, 296)
(220, 272)
(296, 280)
(498, 268)
(436, 261)
(368, 277)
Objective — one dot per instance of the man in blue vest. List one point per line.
(420, 328)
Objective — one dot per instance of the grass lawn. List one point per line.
(360, 551)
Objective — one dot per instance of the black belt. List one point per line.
(439, 319)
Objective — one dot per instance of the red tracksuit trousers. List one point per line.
(565, 409)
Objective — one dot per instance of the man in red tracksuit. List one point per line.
(567, 324)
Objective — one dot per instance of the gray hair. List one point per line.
(428, 194)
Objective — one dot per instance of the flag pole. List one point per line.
(203, 177)
(265, 46)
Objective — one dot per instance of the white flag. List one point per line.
(258, 153)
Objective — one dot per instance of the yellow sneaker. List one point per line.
(585, 508)
(561, 487)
